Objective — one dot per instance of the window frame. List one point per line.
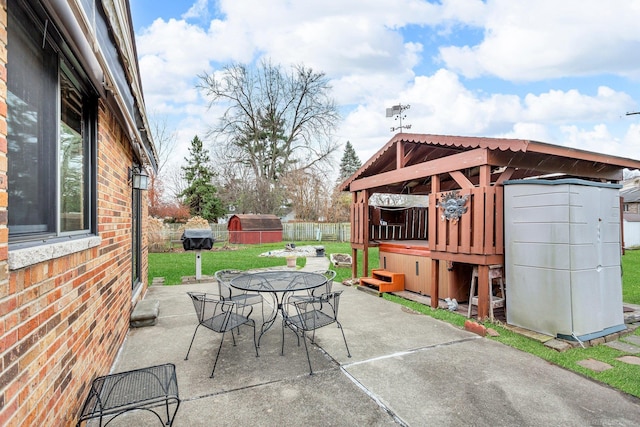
(33, 19)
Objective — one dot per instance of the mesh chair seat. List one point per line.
(225, 322)
(310, 321)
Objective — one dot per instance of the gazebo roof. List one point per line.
(409, 158)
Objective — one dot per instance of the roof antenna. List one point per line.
(397, 110)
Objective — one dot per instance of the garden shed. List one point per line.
(459, 233)
(254, 229)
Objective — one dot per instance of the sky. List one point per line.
(561, 72)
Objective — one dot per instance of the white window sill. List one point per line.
(21, 258)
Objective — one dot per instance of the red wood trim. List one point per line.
(399, 248)
(399, 155)
(478, 211)
(435, 278)
(466, 227)
(354, 263)
(499, 226)
(461, 179)
(505, 175)
(453, 236)
(459, 161)
(478, 259)
(483, 291)
(485, 176)
(489, 224)
(442, 233)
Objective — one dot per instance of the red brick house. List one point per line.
(73, 257)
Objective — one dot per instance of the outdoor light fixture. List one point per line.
(138, 178)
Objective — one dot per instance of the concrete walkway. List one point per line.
(406, 369)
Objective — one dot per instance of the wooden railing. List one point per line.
(413, 226)
(479, 231)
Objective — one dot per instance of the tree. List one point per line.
(349, 164)
(274, 123)
(164, 142)
(306, 193)
(200, 195)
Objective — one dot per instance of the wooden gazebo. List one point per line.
(469, 171)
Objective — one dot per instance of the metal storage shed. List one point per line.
(254, 229)
(562, 251)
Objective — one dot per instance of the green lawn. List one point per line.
(172, 266)
(631, 277)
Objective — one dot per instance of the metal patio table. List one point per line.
(278, 283)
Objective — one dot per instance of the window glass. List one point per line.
(31, 109)
(49, 137)
(71, 158)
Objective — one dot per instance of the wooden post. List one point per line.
(435, 264)
(483, 291)
(435, 278)
(366, 234)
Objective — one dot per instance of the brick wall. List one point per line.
(62, 321)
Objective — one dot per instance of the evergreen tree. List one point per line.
(200, 195)
(349, 163)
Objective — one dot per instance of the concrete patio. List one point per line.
(406, 369)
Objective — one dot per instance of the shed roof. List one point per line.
(631, 195)
(254, 222)
(414, 152)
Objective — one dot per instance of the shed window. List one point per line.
(51, 125)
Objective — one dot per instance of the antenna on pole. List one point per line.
(398, 111)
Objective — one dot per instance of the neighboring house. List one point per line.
(73, 251)
(631, 199)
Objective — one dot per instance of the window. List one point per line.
(51, 115)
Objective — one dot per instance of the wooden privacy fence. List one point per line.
(169, 236)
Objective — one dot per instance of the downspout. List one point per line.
(81, 33)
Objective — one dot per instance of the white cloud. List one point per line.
(551, 40)
(565, 106)
(378, 54)
(198, 10)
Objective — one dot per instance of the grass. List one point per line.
(631, 277)
(623, 377)
(174, 265)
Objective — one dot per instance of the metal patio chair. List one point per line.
(220, 316)
(229, 293)
(328, 286)
(311, 314)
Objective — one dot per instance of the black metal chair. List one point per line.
(228, 293)
(328, 286)
(310, 314)
(220, 316)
